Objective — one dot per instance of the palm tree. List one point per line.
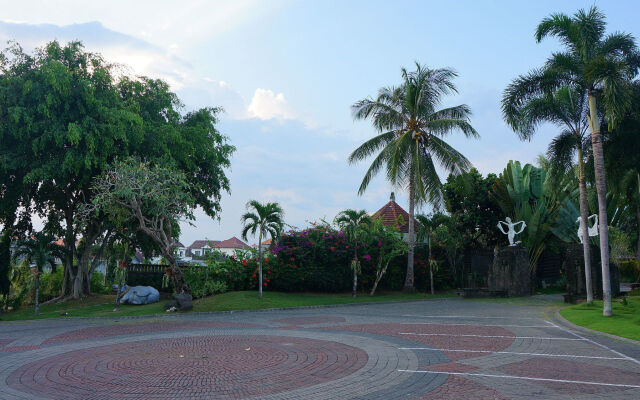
(354, 223)
(411, 127)
(38, 250)
(424, 235)
(266, 219)
(524, 109)
(598, 66)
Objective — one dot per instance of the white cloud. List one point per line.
(266, 104)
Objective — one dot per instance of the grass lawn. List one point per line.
(625, 321)
(102, 305)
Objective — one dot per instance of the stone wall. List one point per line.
(510, 271)
(573, 269)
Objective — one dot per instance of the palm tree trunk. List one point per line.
(37, 305)
(601, 187)
(354, 289)
(408, 282)
(430, 266)
(260, 265)
(584, 208)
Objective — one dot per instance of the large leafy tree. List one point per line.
(567, 108)
(38, 250)
(410, 143)
(156, 198)
(355, 224)
(599, 66)
(65, 116)
(474, 214)
(263, 219)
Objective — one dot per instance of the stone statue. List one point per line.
(511, 232)
(591, 230)
(139, 295)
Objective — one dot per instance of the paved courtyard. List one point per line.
(433, 349)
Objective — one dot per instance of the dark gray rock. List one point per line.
(573, 270)
(510, 272)
(184, 302)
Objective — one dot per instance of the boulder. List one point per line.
(181, 302)
(139, 295)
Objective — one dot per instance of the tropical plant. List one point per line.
(38, 251)
(411, 127)
(265, 219)
(390, 245)
(600, 67)
(355, 224)
(523, 194)
(525, 109)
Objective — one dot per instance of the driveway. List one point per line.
(433, 349)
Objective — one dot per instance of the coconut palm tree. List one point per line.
(38, 251)
(354, 223)
(600, 66)
(412, 127)
(524, 110)
(265, 219)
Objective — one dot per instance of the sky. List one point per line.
(287, 72)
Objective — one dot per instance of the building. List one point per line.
(201, 248)
(391, 214)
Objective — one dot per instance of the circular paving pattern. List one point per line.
(204, 366)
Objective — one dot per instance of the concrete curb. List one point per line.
(591, 331)
(178, 314)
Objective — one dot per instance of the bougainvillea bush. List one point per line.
(317, 259)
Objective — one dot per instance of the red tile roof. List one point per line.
(389, 215)
(231, 243)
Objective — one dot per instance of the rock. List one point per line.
(184, 302)
(139, 295)
(510, 272)
(573, 270)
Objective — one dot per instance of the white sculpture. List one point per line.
(591, 230)
(511, 232)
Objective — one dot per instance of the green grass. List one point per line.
(102, 305)
(625, 321)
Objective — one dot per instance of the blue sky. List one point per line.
(286, 73)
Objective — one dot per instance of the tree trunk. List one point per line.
(354, 265)
(430, 266)
(381, 271)
(408, 282)
(37, 305)
(584, 211)
(179, 284)
(260, 265)
(601, 187)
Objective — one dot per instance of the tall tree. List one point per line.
(156, 198)
(355, 224)
(600, 67)
(38, 250)
(265, 219)
(66, 115)
(411, 127)
(568, 108)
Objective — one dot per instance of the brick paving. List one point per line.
(433, 349)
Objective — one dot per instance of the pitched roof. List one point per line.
(231, 243)
(389, 214)
(266, 242)
(177, 243)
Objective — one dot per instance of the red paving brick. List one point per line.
(96, 332)
(444, 341)
(209, 366)
(457, 388)
(309, 320)
(572, 370)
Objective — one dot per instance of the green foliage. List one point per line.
(524, 194)
(411, 129)
(629, 270)
(5, 262)
(203, 281)
(474, 214)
